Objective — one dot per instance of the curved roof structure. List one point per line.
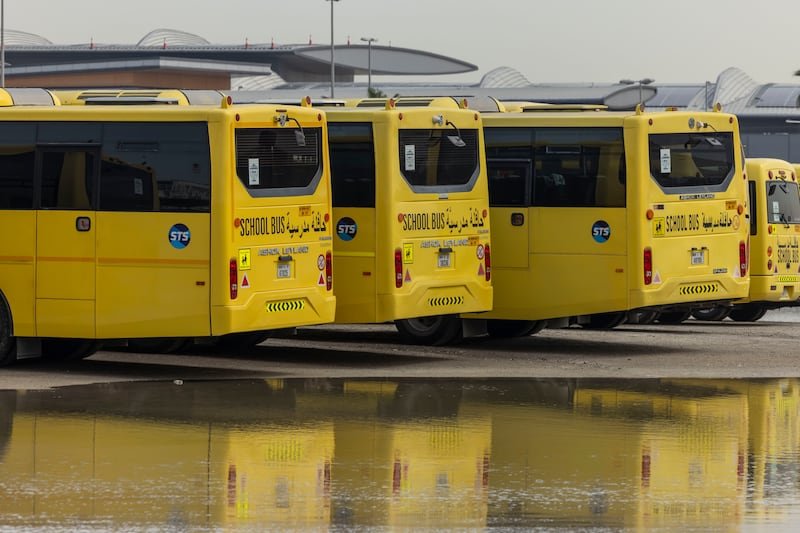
(504, 77)
(23, 38)
(169, 37)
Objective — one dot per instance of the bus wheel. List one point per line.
(505, 329)
(747, 312)
(673, 317)
(241, 342)
(159, 345)
(432, 330)
(604, 321)
(65, 350)
(714, 314)
(8, 352)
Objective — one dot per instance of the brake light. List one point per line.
(233, 272)
(742, 258)
(328, 270)
(648, 266)
(487, 261)
(398, 268)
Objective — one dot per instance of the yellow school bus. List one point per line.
(598, 213)
(774, 243)
(411, 215)
(161, 222)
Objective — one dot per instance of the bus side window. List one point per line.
(352, 153)
(753, 208)
(16, 177)
(67, 178)
(508, 182)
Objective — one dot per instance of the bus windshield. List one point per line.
(681, 160)
(270, 158)
(783, 202)
(439, 161)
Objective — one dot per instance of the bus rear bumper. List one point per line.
(274, 310)
(691, 291)
(432, 300)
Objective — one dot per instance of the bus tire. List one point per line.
(748, 312)
(241, 342)
(643, 317)
(66, 350)
(505, 329)
(8, 344)
(159, 345)
(713, 314)
(431, 330)
(673, 317)
(605, 320)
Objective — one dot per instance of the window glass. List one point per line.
(684, 160)
(271, 160)
(571, 167)
(439, 160)
(783, 202)
(67, 178)
(352, 164)
(17, 159)
(751, 191)
(149, 166)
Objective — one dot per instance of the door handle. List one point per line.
(517, 219)
(83, 223)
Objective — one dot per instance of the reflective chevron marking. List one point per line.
(700, 288)
(446, 300)
(286, 305)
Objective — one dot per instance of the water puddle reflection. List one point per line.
(369, 455)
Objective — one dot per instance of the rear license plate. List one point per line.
(698, 257)
(284, 270)
(444, 260)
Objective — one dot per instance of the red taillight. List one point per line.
(648, 266)
(742, 258)
(398, 268)
(234, 279)
(487, 261)
(328, 270)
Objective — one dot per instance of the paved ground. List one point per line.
(768, 348)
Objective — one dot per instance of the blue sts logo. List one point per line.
(601, 231)
(179, 236)
(346, 229)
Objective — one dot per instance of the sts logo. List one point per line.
(179, 236)
(346, 229)
(601, 231)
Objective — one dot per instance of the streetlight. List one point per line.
(369, 41)
(643, 81)
(333, 63)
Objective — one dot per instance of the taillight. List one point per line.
(398, 268)
(742, 258)
(233, 272)
(487, 261)
(648, 266)
(328, 270)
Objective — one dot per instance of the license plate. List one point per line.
(698, 257)
(284, 270)
(444, 260)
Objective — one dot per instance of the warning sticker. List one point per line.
(659, 228)
(481, 271)
(408, 276)
(321, 280)
(666, 161)
(656, 278)
(244, 259)
(245, 282)
(410, 158)
(253, 171)
(408, 252)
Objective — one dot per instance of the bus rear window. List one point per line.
(685, 160)
(439, 160)
(278, 161)
(783, 202)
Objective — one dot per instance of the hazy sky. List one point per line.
(547, 41)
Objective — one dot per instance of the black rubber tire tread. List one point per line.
(66, 350)
(506, 329)
(8, 344)
(432, 331)
(645, 317)
(605, 320)
(673, 317)
(747, 312)
(713, 314)
(241, 342)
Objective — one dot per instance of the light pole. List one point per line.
(2, 44)
(643, 81)
(369, 41)
(333, 61)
